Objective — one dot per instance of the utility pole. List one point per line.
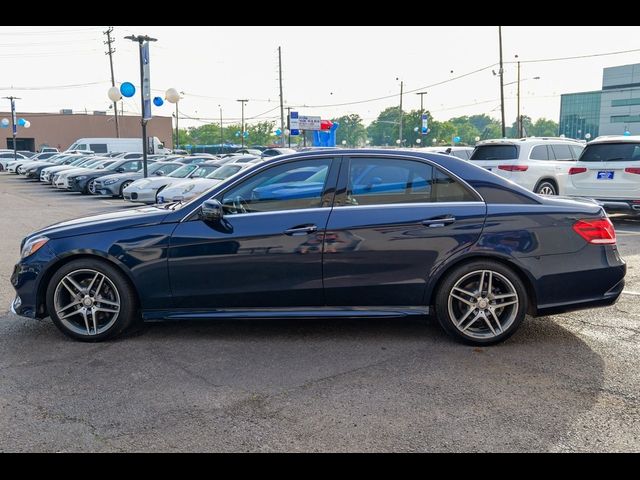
(422, 94)
(401, 86)
(14, 126)
(504, 131)
(519, 119)
(281, 100)
(113, 82)
(289, 124)
(243, 101)
(221, 132)
(141, 39)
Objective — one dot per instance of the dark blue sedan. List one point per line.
(373, 233)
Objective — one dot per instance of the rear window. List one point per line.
(603, 152)
(495, 152)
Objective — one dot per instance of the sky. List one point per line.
(51, 68)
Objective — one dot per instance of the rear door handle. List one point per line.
(439, 222)
(302, 230)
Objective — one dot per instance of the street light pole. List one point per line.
(141, 39)
(221, 132)
(519, 118)
(14, 127)
(422, 94)
(504, 131)
(401, 87)
(177, 130)
(243, 101)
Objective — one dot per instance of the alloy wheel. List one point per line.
(91, 186)
(87, 302)
(546, 189)
(483, 304)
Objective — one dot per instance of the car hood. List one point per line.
(200, 185)
(59, 168)
(104, 222)
(151, 183)
(36, 164)
(74, 170)
(121, 176)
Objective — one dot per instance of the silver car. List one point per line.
(113, 185)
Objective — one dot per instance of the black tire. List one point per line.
(123, 186)
(85, 190)
(128, 310)
(513, 315)
(548, 187)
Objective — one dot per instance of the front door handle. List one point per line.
(439, 222)
(301, 230)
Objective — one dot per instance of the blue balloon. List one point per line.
(237, 134)
(424, 129)
(456, 139)
(627, 133)
(245, 134)
(127, 89)
(21, 122)
(157, 101)
(278, 132)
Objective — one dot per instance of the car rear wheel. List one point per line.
(546, 188)
(481, 302)
(90, 300)
(124, 185)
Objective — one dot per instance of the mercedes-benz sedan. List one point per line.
(373, 233)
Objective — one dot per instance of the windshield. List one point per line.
(182, 172)
(603, 152)
(495, 152)
(225, 172)
(204, 171)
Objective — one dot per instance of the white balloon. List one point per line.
(172, 95)
(27, 124)
(5, 121)
(114, 94)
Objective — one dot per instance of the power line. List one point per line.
(55, 87)
(578, 56)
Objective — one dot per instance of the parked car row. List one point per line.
(122, 174)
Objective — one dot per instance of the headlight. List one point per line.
(81, 177)
(110, 182)
(32, 246)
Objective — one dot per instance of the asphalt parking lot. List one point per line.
(563, 383)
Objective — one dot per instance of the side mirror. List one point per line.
(374, 181)
(120, 169)
(158, 172)
(211, 211)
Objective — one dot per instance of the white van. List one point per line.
(117, 145)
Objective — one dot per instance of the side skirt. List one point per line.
(301, 313)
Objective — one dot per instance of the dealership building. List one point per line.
(62, 129)
(613, 110)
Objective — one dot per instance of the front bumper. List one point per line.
(140, 196)
(26, 277)
(111, 190)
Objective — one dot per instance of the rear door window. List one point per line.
(495, 152)
(98, 147)
(562, 152)
(539, 152)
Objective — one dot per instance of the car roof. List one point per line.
(527, 141)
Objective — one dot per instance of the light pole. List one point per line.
(14, 126)
(422, 94)
(400, 116)
(141, 39)
(243, 101)
(172, 96)
(501, 84)
(221, 132)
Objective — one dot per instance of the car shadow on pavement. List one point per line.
(315, 385)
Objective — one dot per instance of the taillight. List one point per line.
(598, 230)
(635, 170)
(574, 170)
(513, 168)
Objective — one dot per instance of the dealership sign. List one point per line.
(304, 122)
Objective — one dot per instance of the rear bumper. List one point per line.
(616, 204)
(609, 298)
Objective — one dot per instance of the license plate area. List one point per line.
(604, 175)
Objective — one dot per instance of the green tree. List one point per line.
(544, 128)
(351, 130)
(384, 130)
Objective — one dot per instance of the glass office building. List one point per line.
(580, 114)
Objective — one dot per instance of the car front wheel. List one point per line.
(124, 185)
(90, 300)
(481, 302)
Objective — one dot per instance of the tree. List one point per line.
(384, 130)
(351, 130)
(544, 128)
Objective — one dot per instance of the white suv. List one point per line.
(608, 171)
(539, 164)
